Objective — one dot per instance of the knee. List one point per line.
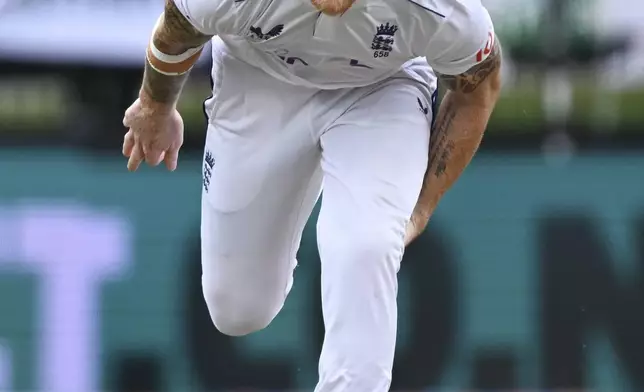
(373, 246)
(238, 311)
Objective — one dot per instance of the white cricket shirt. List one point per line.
(374, 39)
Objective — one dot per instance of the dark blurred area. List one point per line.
(529, 278)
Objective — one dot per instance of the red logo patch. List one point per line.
(483, 53)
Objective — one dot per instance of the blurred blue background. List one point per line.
(530, 276)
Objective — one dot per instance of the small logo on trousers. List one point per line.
(209, 163)
(424, 109)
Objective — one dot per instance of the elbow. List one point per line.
(494, 85)
(489, 92)
(483, 95)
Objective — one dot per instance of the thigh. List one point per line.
(375, 155)
(261, 180)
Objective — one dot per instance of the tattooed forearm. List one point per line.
(441, 146)
(483, 76)
(469, 81)
(454, 140)
(162, 88)
(174, 35)
(460, 123)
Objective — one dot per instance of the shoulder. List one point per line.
(432, 8)
(462, 38)
(461, 15)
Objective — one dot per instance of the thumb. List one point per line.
(126, 118)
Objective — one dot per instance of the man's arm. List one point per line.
(458, 130)
(174, 48)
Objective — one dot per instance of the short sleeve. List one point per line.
(465, 39)
(207, 16)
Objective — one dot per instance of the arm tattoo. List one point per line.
(458, 129)
(469, 81)
(162, 88)
(174, 36)
(441, 146)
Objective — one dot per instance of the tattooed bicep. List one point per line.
(177, 34)
(471, 79)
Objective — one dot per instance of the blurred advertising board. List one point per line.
(536, 282)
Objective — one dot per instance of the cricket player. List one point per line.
(309, 95)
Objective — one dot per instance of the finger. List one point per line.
(153, 156)
(128, 144)
(136, 158)
(171, 159)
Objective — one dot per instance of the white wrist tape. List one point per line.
(173, 59)
(168, 64)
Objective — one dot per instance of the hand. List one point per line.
(155, 134)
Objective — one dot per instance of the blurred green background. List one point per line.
(580, 57)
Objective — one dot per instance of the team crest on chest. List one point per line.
(383, 41)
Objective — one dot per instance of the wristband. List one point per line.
(168, 64)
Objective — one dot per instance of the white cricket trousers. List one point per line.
(271, 147)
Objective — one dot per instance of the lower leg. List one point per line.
(360, 261)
